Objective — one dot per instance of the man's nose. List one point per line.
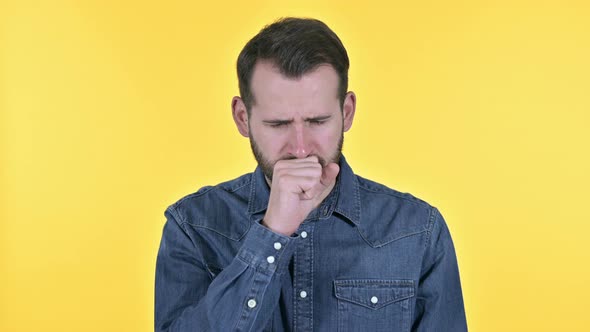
(299, 142)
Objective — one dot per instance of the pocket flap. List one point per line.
(373, 293)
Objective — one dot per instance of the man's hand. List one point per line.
(298, 186)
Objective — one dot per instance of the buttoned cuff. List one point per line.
(267, 251)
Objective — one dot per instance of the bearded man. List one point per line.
(302, 243)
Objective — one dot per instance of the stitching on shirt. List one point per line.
(257, 266)
(295, 279)
(311, 246)
(431, 220)
(205, 189)
(179, 220)
(217, 232)
(411, 199)
(357, 194)
(251, 196)
(231, 189)
(199, 192)
(361, 282)
(411, 313)
(200, 260)
(379, 245)
(245, 311)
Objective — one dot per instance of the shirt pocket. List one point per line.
(374, 304)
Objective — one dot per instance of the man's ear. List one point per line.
(240, 115)
(348, 109)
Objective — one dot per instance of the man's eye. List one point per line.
(277, 125)
(317, 122)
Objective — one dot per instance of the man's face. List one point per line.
(296, 118)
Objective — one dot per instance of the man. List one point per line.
(303, 244)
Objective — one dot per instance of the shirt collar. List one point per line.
(344, 198)
(259, 192)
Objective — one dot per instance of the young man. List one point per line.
(303, 244)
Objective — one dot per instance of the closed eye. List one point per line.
(318, 120)
(277, 124)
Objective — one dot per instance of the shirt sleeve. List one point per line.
(439, 302)
(242, 297)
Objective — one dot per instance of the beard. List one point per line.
(268, 165)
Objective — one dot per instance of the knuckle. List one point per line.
(283, 179)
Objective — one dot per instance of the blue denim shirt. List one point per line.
(368, 258)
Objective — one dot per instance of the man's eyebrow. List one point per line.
(313, 118)
(277, 121)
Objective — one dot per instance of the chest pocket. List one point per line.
(374, 304)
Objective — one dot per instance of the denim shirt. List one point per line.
(368, 258)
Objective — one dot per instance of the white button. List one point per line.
(270, 259)
(303, 294)
(374, 299)
(304, 234)
(251, 303)
(277, 245)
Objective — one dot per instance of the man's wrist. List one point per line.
(275, 229)
(266, 250)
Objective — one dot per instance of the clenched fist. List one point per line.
(298, 186)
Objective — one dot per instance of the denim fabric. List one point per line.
(368, 258)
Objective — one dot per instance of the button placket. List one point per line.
(303, 280)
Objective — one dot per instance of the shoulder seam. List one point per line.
(393, 192)
(432, 219)
(208, 188)
(179, 220)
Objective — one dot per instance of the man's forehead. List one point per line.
(270, 86)
(270, 67)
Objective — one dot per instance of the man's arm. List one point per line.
(439, 303)
(241, 298)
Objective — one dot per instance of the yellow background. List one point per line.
(112, 110)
